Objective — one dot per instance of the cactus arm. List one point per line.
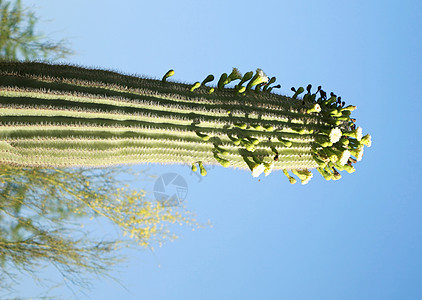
(60, 115)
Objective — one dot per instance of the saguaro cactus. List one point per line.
(61, 115)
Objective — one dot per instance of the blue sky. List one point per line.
(356, 238)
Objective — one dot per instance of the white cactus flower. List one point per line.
(307, 179)
(257, 170)
(359, 133)
(344, 157)
(317, 107)
(335, 135)
(262, 76)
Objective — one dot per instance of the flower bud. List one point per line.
(167, 75)
(357, 133)
(209, 78)
(234, 75)
(315, 108)
(298, 92)
(202, 169)
(223, 162)
(349, 108)
(203, 136)
(195, 86)
(291, 179)
(222, 80)
(366, 140)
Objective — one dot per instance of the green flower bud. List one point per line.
(291, 179)
(349, 108)
(268, 168)
(246, 77)
(346, 113)
(195, 86)
(221, 150)
(357, 133)
(321, 163)
(203, 136)
(358, 153)
(241, 125)
(202, 169)
(254, 141)
(332, 155)
(235, 140)
(241, 89)
(285, 143)
(333, 111)
(235, 75)
(322, 139)
(249, 147)
(330, 100)
(336, 174)
(366, 140)
(258, 87)
(257, 160)
(167, 75)
(278, 86)
(325, 174)
(271, 81)
(304, 175)
(194, 168)
(257, 127)
(222, 80)
(209, 78)
(211, 91)
(315, 108)
(336, 165)
(298, 130)
(223, 162)
(349, 169)
(298, 92)
(344, 141)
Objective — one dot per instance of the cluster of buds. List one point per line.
(338, 148)
(334, 149)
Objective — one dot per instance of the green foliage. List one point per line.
(19, 38)
(42, 213)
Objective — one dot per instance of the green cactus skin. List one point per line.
(61, 115)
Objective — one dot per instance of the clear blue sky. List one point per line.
(357, 238)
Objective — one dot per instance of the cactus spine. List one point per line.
(60, 115)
